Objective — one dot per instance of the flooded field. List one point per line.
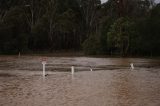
(111, 83)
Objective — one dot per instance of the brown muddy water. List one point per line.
(111, 83)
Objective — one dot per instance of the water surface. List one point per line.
(111, 83)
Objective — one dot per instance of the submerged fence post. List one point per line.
(72, 70)
(44, 66)
(132, 66)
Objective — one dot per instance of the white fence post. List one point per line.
(72, 70)
(132, 66)
(44, 64)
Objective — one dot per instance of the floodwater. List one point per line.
(111, 83)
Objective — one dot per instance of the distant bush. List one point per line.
(91, 45)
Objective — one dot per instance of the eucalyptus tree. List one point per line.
(130, 8)
(5, 6)
(70, 15)
(89, 12)
(3, 10)
(8, 9)
(119, 35)
(51, 13)
(33, 11)
(151, 32)
(63, 22)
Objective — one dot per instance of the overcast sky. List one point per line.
(107, 0)
(103, 1)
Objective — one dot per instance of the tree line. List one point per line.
(117, 27)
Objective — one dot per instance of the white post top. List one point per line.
(44, 62)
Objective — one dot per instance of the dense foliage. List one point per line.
(117, 27)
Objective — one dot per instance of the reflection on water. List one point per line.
(117, 87)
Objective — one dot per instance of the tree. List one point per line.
(89, 12)
(119, 35)
(75, 24)
(13, 29)
(152, 33)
